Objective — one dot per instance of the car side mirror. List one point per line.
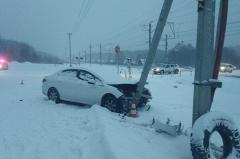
(91, 81)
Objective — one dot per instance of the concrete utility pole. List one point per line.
(167, 38)
(100, 47)
(70, 49)
(85, 53)
(150, 34)
(154, 45)
(79, 58)
(204, 58)
(117, 51)
(90, 54)
(166, 48)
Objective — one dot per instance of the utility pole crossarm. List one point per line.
(154, 45)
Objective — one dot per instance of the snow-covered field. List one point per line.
(31, 127)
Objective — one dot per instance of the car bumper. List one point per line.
(156, 72)
(44, 89)
(4, 67)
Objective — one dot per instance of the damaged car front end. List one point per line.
(129, 91)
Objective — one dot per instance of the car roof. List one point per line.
(82, 68)
(226, 64)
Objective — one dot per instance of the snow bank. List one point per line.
(129, 138)
(96, 145)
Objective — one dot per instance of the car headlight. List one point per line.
(157, 69)
(222, 68)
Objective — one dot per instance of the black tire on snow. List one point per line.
(176, 71)
(204, 128)
(112, 103)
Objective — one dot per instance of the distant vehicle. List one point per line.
(83, 86)
(3, 64)
(225, 67)
(188, 68)
(166, 69)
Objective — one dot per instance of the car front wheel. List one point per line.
(112, 103)
(176, 71)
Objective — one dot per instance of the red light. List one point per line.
(2, 60)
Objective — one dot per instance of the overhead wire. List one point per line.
(127, 28)
(86, 6)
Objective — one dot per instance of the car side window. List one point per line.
(86, 76)
(69, 73)
(82, 75)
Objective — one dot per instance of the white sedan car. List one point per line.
(83, 86)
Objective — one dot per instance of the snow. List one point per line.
(33, 127)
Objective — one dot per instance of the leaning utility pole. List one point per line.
(70, 49)
(100, 52)
(90, 54)
(154, 45)
(204, 58)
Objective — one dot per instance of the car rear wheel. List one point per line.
(53, 95)
(161, 72)
(112, 104)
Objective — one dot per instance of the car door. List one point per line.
(172, 68)
(66, 84)
(167, 68)
(92, 88)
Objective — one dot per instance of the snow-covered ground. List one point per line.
(31, 127)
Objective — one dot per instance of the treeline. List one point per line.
(185, 54)
(23, 52)
(182, 54)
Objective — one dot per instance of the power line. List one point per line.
(182, 18)
(83, 12)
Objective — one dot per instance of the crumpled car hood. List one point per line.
(116, 82)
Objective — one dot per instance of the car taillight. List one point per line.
(44, 80)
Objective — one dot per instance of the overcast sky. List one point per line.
(45, 23)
